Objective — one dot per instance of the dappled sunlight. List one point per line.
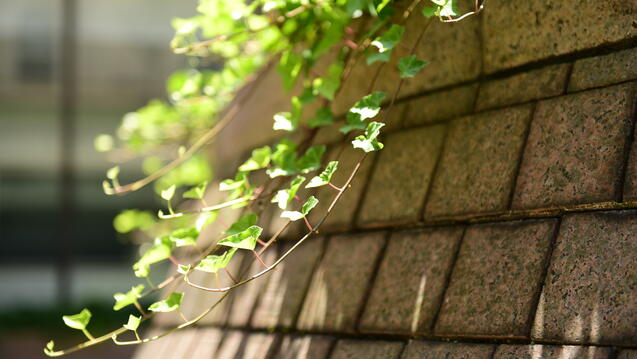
(418, 304)
(268, 312)
(315, 307)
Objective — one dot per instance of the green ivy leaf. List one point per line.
(133, 322)
(246, 239)
(131, 219)
(365, 108)
(284, 196)
(171, 303)
(168, 193)
(183, 269)
(323, 117)
(385, 43)
(78, 321)
(284, 159)
(50, 345)
(240, 180)
(260, 159)
(309, 205)
(246, 221)
(124, 299)
(430, 11)
(328, 85)
(324, 177)
(183, 237)
(368, 142)
(449, 8)
(214, 263)
(112, 173)
(289, 68)
(196, 192)
(311, 159)
(160, 250)
(409, 66)
(292, 215)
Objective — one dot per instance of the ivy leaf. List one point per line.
(289, 68)
(368, 142)
(240, 180)
(283, 121)
(309, 205)
(292, 215)
(205, 219)
(367, 107)
(112, 173)
(171, 303)
(324, 177)
(260, 159)
(183, 269)
(78, 321)
(183, 237)
(246, 221)
(323, 117)
(449, 8)
(124, 299)
(246, 239)
(284, 196)
(196, 192)
(409, 66)
(133, 322)
(385, 43)
(311, 159)
(50, 345)
(214, 263)
(158, 252)
(284, 159)
(168, 193)
(429, 11)
(328, 85)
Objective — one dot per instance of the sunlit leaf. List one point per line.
(78, 321)
(311, 159)
(112, 173)
(323, 117)
(160, 250)
(133, 322)
(124, 299)
(309, 205)
(171, 303)
(196, 192)
(260, 159)
(168, 193)
(214, 263)
(369, 142)
(246, 221)
(324, 177)
(409, 66)
(246, 239)
(284, 196)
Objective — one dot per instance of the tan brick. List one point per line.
(630, 183)
(519, 32)
(478, 163)
(305, 347)
(402, 176)
(281, 298)
(627, 354)
(338, 289)
(206, 342)
(575, 149)
(550, 352)
(367, 349)
(432, 350)
(591, 286)
(496, 279)
(408, 288)
(342, 215)
(604, 70)
(531, 85)
(440, 105)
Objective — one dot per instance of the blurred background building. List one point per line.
(120, 61)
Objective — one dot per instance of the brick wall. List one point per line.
(498, 222)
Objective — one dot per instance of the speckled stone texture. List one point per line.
(282, 296)
(550, 352)
(519, 32)
(339, 286)
(604, 70)
(398, 185)
(440, 105)
(496, 279)
(305, 347)
(630, 183)
(627, 354)
(433, 350)
(536, 84)
(342, 215)
(409, 285)
(575, 149)
(591, 286)
(206, 343)
(367, 349)
(478, 163)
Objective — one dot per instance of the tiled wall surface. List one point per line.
(498, 222)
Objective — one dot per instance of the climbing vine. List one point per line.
(227, 44)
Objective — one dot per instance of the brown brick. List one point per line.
(365, 349)
(306, 347)
(402, 175)
(531, 85)
(604, 70)
(432, 350)
(591, 286)
(154, 349)
(440, 105)
(339, 286)
(630, 184)
(342, 214)
(181, 345)
(408, 288)
(550, 352)
(627, 354)
(241, 345)
(478, 163)
(519, 32)
(206, 342)
(575, 149)
(231, 345)
(282, 296)
(496, 278)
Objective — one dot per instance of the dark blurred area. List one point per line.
(69, 71)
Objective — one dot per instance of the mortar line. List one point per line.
(520, 157)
